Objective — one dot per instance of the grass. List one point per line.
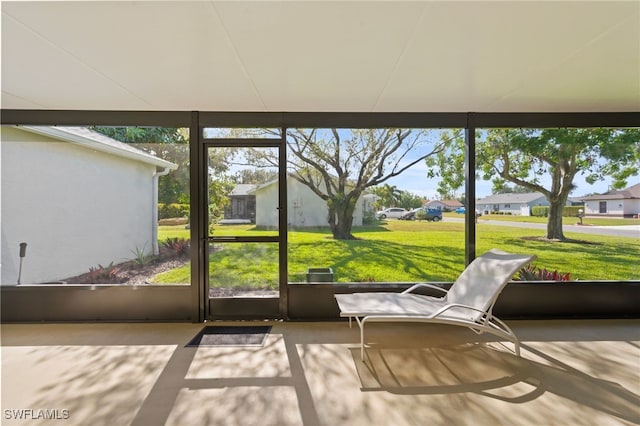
(398, 251)
(595, 221)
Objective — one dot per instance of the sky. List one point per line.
(415, 180)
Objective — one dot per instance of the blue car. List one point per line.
(461, 210)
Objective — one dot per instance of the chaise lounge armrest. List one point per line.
(425, 285)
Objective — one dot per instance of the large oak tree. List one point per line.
(548, 161)
(339, 165)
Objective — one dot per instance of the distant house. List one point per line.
(444, 205)
(304, 208)
(77, 198)
(242, 203)
(511, 203)
(622, 203)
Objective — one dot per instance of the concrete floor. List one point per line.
(581, 372)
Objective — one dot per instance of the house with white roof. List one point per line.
(511, 203)
(77, 198)
(444, 205)
(619, 203)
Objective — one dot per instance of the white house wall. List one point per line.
(512, 208)
(632, 207)
(619, 207)
(305, 208)
(74, 207)
(267, 206)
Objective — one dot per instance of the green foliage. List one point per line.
(529, 157)
(421, 214)
(133, 134)
(219, 190)
(406, 251)
(409, 200)
(567, 211)
(141, 257)
(448, 164)
(571, 211)
(256, 176)
(540, 211)
(535, 273)
(167, 211)
(176, 246)
(369, 218)
(500, 186)
(388, 195)
(391, 196)
(338, 165)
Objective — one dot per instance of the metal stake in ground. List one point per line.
(23, 252)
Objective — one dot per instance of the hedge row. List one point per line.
(567, 211)
(167, 211)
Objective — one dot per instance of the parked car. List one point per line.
(461, 210)
(410, 215)
(434, 215)
(392, 212)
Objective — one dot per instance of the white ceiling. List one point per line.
(382, 56)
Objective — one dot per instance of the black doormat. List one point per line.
(217, 335)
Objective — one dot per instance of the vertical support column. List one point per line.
(283, 229)
(197, 221)
(470, 189)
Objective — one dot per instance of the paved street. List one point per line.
(631, 231)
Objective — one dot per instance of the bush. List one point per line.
(178, 247)
(534, 273)
(571, 211)
(104, 274)
(167, 211)
(567, 211)
(540, 211)
(369, 218)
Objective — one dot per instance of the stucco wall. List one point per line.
(74, 207)
(614, 207)
(304, 207)
(514, 208)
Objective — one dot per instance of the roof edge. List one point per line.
(130, 152)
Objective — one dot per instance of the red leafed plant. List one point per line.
(104, 274)
(534, 273)
(177, 246)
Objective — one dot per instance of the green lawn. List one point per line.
(596, 221)
(398, 251)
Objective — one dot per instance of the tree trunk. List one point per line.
(554, 224)
(341, 219)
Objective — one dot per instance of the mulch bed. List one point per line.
(132, 273)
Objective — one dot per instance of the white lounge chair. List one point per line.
(469, 301)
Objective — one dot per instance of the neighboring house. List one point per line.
(622, 203)
(575, 201)
(511, 203)
(242, 203)
(444, 205)
(77, 198)
(304, 207)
